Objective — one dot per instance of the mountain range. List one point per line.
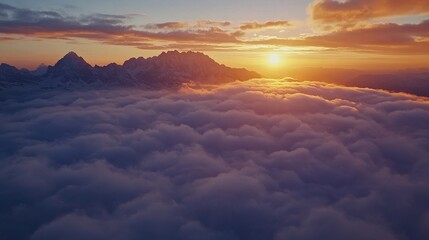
(168, 70)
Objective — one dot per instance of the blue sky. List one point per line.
(183, 10)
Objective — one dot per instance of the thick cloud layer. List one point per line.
(258, 160)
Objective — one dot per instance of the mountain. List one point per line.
(40, 70)
(412, 81)
(180, 67)
(115, 75)
(71, 69)
(168, 70)
(11, 76)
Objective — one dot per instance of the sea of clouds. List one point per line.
(263, 159)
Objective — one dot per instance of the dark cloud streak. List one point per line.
(387, 38)
(102, 27)
(264, 25)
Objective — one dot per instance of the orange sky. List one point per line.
(353, 34)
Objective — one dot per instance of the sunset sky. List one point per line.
(323, 135)
(354, 34)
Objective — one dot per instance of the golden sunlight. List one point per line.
(274, 59)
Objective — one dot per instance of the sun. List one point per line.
(274, 59)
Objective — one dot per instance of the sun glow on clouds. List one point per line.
(262, 159)
(346, 31)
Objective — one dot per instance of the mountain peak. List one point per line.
(71, 54)
(72, 59)
(71, 67)
(185, 57)
(6, 66)
(188, 53)
(168, 70)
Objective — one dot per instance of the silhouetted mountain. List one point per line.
(114, 75)
(11, 76)
(415, 82)
(71, 69)
(40, 70)
(168, 70)
(173, 68)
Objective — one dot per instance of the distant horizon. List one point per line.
(410, 81)
(285, 74)
(302, 34)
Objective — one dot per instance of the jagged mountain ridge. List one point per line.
(184, 67)
(11, 76)
(168, 70)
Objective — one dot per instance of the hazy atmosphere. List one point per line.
(356, 34)
(217, 120)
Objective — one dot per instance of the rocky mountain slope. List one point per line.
(168, 70)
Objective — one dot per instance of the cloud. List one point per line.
(352, 11)
(205, 35)
(203, 23)
(388, 38)
(168, 25)
(132, 15)
(264, 159)
(111, 29)
(264, 25)
(6, 39)
(189, 25)
(321, 222)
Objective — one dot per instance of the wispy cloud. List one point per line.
(204, 23)
(264, 25)
(168, 25)
(185, 25)
(351, 11)
(103, 27)
(387, 38)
